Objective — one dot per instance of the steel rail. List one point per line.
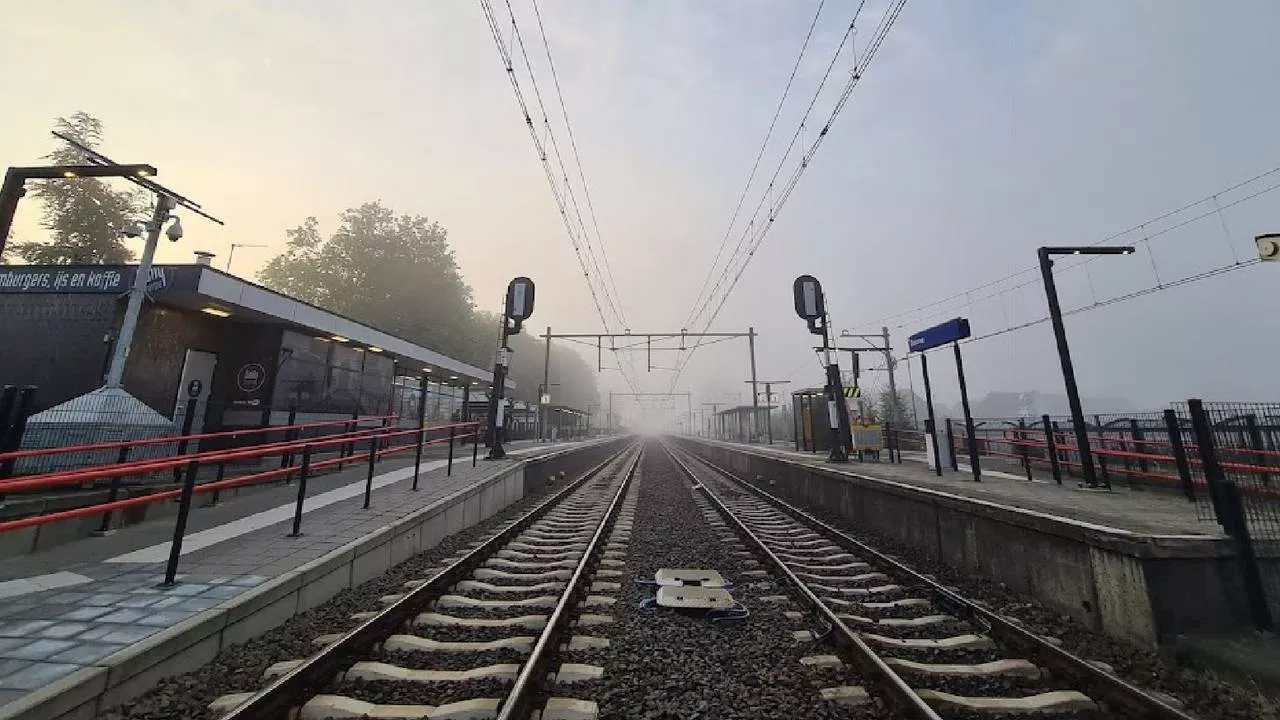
(278, 700)
(1130, 700)
(519, 700)
(891, 686)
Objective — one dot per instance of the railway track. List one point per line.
(475, 639)
(924, 650)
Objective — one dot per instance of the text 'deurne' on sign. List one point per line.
(945, 333)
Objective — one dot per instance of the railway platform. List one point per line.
(1119, 510)
(1144, 566)
(88, 624)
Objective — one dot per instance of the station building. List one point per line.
(244, 355)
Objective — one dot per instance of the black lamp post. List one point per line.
(1064, 353)
(15, 179)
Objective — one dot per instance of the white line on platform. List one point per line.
(235, 528)
(52, 581)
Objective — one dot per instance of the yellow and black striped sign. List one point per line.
(853, 392)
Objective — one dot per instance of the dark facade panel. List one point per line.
(57, 342)
(160, 348)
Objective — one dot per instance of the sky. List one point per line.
(981, 131)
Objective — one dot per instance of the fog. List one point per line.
(980, 132)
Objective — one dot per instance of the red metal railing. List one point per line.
(379, 440)
(53, 479)
(231, 434)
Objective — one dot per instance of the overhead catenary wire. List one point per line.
(1146, 242)
(1213, 197)
(755, 166)
(610, 285)
(563, 197)
(861, 63)
(1124, 297)
(577, 163)
(767, 195)
(505, 54)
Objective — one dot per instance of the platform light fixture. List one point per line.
(339, 338)
(375, 348)
(426, 370)
(215, 311)
(1064, 353)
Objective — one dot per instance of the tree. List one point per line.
(398, 274)
(896, 410)
(83, 216)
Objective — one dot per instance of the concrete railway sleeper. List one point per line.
(697, 631)
(928, 651)
(471, 641)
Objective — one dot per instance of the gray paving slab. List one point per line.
(48, 635)
(36, 675)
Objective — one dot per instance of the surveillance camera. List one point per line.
(133, 230)
(175, 230)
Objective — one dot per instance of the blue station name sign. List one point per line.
(948, 332)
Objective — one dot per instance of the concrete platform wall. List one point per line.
(1141, 588)
(572, 462)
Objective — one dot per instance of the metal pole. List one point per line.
(1051, 447)
(911, 385)
(10, 194)
(796, 421)
(113, 493)
(180, 526)
(768, 393)
(838, 412)
(497, 408)
(890, 366)
(546, 387)
(188, 417)
(373, 458)
(1231, 515)
(968, 418)
(449, 466)
(1180, 454)
(120, 353)
(755, 389)
(933, 423)
(951, 447)
(1068, 371)
(303, 473)
(688, 403)
(422, 423)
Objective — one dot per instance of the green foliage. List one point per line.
(398, 274)
(896, 410)
(83, 216)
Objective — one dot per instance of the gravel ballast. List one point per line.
(1200, 692)
(665, 664)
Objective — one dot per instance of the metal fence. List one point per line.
(1222, 457)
